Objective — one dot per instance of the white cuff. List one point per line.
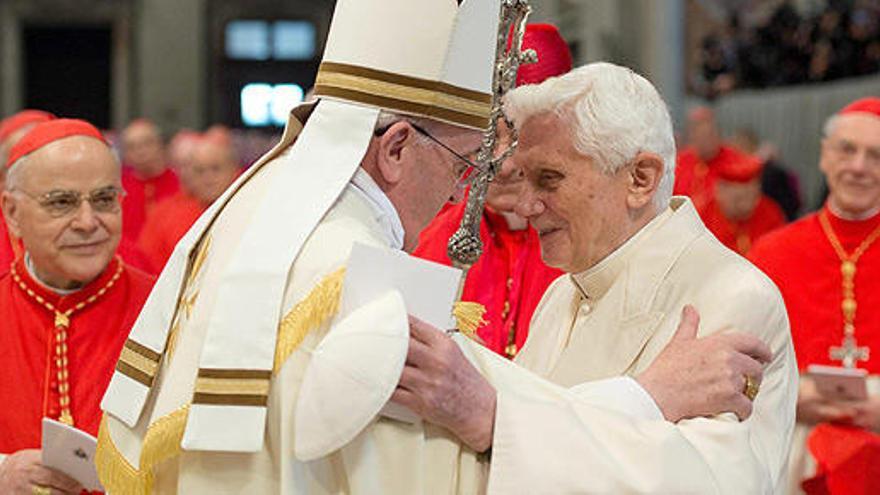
(621, 394)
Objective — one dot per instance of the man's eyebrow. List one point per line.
(55, 192)
(541, 164)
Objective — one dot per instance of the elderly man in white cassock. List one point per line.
(597, 151)
(215, 390)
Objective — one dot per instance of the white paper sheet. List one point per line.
(72, 452)
(428, 290)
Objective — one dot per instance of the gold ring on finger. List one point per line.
(41, 490)
(750, 388)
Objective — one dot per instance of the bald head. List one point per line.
(703, 132)
(143, 148)
(211, 169)
(64, 160)
(62, 200)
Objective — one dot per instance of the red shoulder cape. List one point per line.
(509, 279)
(28, 384)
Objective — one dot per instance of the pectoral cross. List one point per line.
(849, 353)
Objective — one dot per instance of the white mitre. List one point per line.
(426, 58)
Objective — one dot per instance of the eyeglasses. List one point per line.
(61, 203)
(465, 172)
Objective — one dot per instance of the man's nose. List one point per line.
(85, 218)
(860, 162)
(509, 171)
(528, 204)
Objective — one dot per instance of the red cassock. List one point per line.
(695, 178)
(7, 253)
(740, 236)
(509, 278)
(802, 262)
(166, 224)
(141, 195)
(33, 337)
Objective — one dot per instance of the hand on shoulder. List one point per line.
(705, 376)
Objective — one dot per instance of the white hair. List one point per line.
(830, 125)
(612, 113)
(14, 174)
(387, 118)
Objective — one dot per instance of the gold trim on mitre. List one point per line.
(411, 95)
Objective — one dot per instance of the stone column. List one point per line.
(11, 98)
(663, 52)
(170, 66)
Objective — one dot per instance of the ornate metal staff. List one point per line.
(464, 247)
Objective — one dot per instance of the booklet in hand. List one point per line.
(72, 452)
(837, 383)
(428, 289)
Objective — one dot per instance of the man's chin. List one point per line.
(80, 277)
(551, 257)
(858, 204)
(87, 267)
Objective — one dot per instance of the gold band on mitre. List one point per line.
(405, 94)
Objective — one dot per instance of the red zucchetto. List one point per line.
(739, 167)
(554, 57)
(870, 104)
(49, 132)
(25, 117)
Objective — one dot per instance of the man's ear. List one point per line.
(644, 179)
(393, 151)
(10, 211)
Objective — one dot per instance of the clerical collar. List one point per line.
(596, 280)
(29, 265)
(385, 212)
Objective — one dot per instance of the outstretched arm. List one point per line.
(550, 439)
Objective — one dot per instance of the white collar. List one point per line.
(384, 210)
(29, 265)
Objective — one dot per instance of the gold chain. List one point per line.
(847, 269)
(62, 323)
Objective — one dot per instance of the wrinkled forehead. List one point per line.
(207, 154)
(861, 128)
(71, 162)
(536, 130)
(139, 131)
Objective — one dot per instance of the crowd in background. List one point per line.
(170, 181)
(842, 39)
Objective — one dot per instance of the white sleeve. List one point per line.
(622, 394)
(601, 437)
